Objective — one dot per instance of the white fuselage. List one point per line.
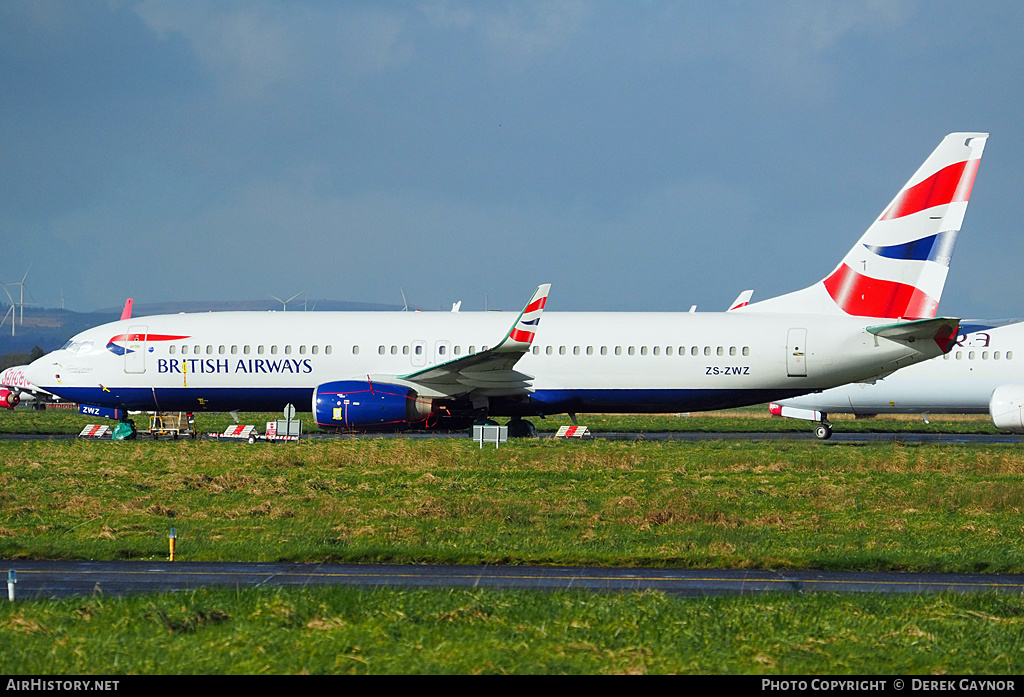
(579, 362)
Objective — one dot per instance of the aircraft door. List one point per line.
(135, 347)
(796, 353)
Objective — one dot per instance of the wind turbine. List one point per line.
(21, 302)
(284, 303)
(10, 310)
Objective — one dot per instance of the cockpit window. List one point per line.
(78, 346)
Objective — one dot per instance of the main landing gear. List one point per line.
(518, 427)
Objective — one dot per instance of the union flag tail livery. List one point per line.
(521, 336)
(397, 370)
(898, 268)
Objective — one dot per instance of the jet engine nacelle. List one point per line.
(8, 399)
(370, 405)
(1007, 407)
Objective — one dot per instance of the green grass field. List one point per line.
(772, 504)
(381, 631)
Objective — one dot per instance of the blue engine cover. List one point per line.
(362, 404)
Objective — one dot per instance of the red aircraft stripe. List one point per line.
(948, 185)
(520, 335)
(151, 337)
(864, 296)
(537, 304)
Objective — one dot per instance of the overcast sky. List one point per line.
(636, 155)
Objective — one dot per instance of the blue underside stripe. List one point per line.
(540, 402)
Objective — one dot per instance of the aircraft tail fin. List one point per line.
(126, 313)
(898, 267)
(742, 300)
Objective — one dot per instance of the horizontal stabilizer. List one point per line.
(943, 330)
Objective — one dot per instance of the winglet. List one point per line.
(520, 336)
(126, 313)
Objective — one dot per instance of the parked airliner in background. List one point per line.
(15, 388)
(982, 374)
(875, 313)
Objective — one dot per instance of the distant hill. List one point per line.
(46, 328)
(170, 308)
(49, 329)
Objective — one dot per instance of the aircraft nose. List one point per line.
(37, 372)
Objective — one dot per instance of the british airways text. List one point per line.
(223, 365)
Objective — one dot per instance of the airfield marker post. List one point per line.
(12, 578)
(170, 539)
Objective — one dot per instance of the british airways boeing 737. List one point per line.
(875, 313)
